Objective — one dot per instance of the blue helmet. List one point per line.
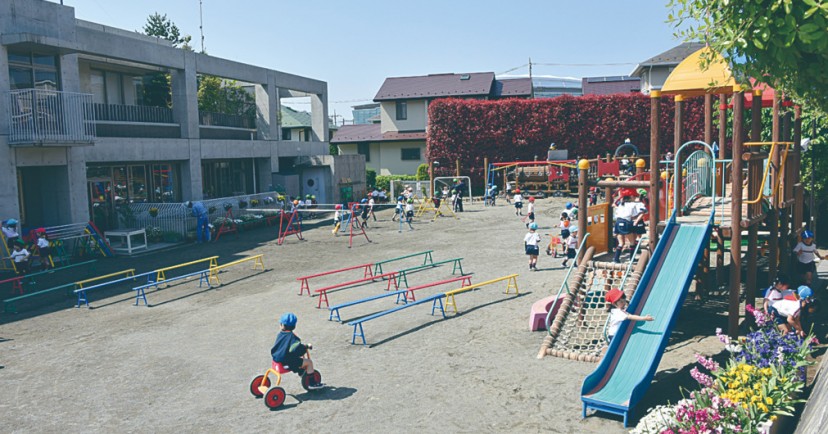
(363, 200)
(569, 205)
(807, 234)
(400, 198)
(804, 292)
(288, 320)
(11, 222)
(533, 226)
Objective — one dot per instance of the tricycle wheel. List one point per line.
(260, 380)
(306, 379)
(548, 252)
(274, 397)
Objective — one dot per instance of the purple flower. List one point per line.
(708, 364)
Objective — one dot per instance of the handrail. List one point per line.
(767, 168)
(677, 186)
(565, 283)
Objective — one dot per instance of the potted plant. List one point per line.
(153, 212)
(211, 210)
(242, 204)
(254, 202)
(228, 206)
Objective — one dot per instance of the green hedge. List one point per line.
(422, 172)
(370, 177)
(384, 181)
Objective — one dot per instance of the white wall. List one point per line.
(386, 157)
(417, 116)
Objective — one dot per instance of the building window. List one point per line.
(285, 133)
(402, 110)
(364, 149)
(223, 178)
(410, 154)
(33, 71)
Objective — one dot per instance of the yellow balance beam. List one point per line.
(450, 301)
(124, 273)
(257, 263)
(160, 272)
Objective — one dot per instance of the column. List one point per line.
(655, 152)
(267, 110)
(319, 116)
(185, 96)
(753, 230)
(736, 214)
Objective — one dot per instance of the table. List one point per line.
(130, 240)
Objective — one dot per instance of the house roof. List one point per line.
(299, 119)
(512, 87)
(372, 133)
(671, 57)
(436, 85)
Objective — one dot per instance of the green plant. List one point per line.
(384, 181)
(126, 216)
(154, 233)
(422, 172)
(370, 178)
(254, 202)
(153, 212)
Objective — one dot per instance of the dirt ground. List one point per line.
(186, 362)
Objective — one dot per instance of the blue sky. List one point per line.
(354, 45)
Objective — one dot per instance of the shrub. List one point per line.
(384, 181)
(422, 172)
(371, 178)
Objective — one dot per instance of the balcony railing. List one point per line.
(132, 113)
(225, 120)
(40, 116)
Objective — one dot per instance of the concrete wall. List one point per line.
(386, 157)
(416, 120)
(654, 78)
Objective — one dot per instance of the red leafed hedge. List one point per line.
(520, 129)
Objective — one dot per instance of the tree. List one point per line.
(217, 95)
(783, 43)
(162, 27)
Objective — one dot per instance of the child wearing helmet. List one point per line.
(806, 254)
(774, 292)
(571, 245)
(10, 231)
(530, 243)
(518, 202)
(290, 351)
(337, 219)
(530, 211)
(618, 312)
(787, 313)
(409, 213)
(398, 209)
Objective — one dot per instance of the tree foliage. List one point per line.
(216, 95)
(783, 43)
(162, 27)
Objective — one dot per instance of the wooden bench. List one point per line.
(9, 306)
(512, 283)
(457, 266)
(214, 271)
(140, 293)
(323, 292)
(426, 258)
(80, 291)
(161, 272)
(304, 279)
(357, 324)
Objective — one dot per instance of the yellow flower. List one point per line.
(769, 400)
(773, 417)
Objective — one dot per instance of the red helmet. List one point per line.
(531, 199)
(517, 190)
(628, 192)
(614, 295)
(338, 206)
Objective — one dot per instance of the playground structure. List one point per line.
(694, 197)
(535, 178)
(66, 242)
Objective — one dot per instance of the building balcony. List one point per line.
(118, 120)
(227, 127)
(51, 118)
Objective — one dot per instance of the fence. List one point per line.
(226, 120)
(39, 115)
(132, 113)
(172, 221)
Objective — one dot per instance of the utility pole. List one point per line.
(201, 24)
(531, 83)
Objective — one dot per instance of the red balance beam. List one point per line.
(323, 292)
(304, 279)
(466, 282)
(16, 283)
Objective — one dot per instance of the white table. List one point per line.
(128, 239)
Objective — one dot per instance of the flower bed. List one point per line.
(759, 383)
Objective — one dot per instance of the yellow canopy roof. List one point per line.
(689, 80)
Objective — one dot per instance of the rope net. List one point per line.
(577, 332)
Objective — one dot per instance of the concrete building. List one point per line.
(655, 70)
(397, 144)
(610, 85)
(87, 124)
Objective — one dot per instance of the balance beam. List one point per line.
(457, 265)
(323, 292)
(427, 258)
(8, 304)
(141, 290)
(214, 271)
(435, 299)
(466, 281)
(512, 283)
(31, 276)
(81, 291)
(125, 273)
(160, 273)
(304, 279)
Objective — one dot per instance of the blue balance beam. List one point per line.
(81, 293)
(436, 300)
(141, 294)
(335, 309)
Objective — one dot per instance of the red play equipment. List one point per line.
(289, 224)
(304, 279)
(354, 206)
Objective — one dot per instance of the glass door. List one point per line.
(101, 209)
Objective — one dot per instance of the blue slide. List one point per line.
(625, 372)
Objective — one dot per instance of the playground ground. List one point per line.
(186, 363)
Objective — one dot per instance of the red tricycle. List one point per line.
(274, 396)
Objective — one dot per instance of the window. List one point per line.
(402, 110)
(410, 154)
(33, 71)
(364, 149)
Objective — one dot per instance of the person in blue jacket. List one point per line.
(290, 351)
(203, 221)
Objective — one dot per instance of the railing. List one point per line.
(50, 116)
(225, 120)
(698, 175)
(132, 113)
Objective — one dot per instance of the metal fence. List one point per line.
(172, 221)
(132, 113)
(39, 115)
(698, 176)
(225, 120)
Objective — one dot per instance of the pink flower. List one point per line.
(708, 364)
(703, 379)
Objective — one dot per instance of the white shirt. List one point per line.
(409, 207)
(9, 232)
(531, 207)
(399, 206)
(531, 239)
(772, 295)
(371, 202)
(518, 198)
(806, 252)
(19, 256)
(617, 316)
(788, 308)
(337, 215)
(627, 210)
(42, 243)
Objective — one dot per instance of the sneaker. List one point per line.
(564, 263)
(316, 386)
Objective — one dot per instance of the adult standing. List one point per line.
(459, 187)
(202, 221)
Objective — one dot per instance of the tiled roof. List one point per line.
(295, 119)
(435, 86)
(372, 133)
(673, 56)
(505, 88)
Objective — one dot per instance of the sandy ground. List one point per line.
(186, 362)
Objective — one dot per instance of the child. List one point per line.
(337, 219)
(20, 256)
(530, 242)
(531, 211)
(365, 212)
(371, 207)
(805, 251)
(564, 225)
(398, 209)
(508, 190)
(571, 245)
(788, 311)
(9, 229)
(518, 202)
(44, 251)
(618, 312)
(774, 292)
(289, 351)
(409, 213)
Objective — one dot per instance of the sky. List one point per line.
(354, 45)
